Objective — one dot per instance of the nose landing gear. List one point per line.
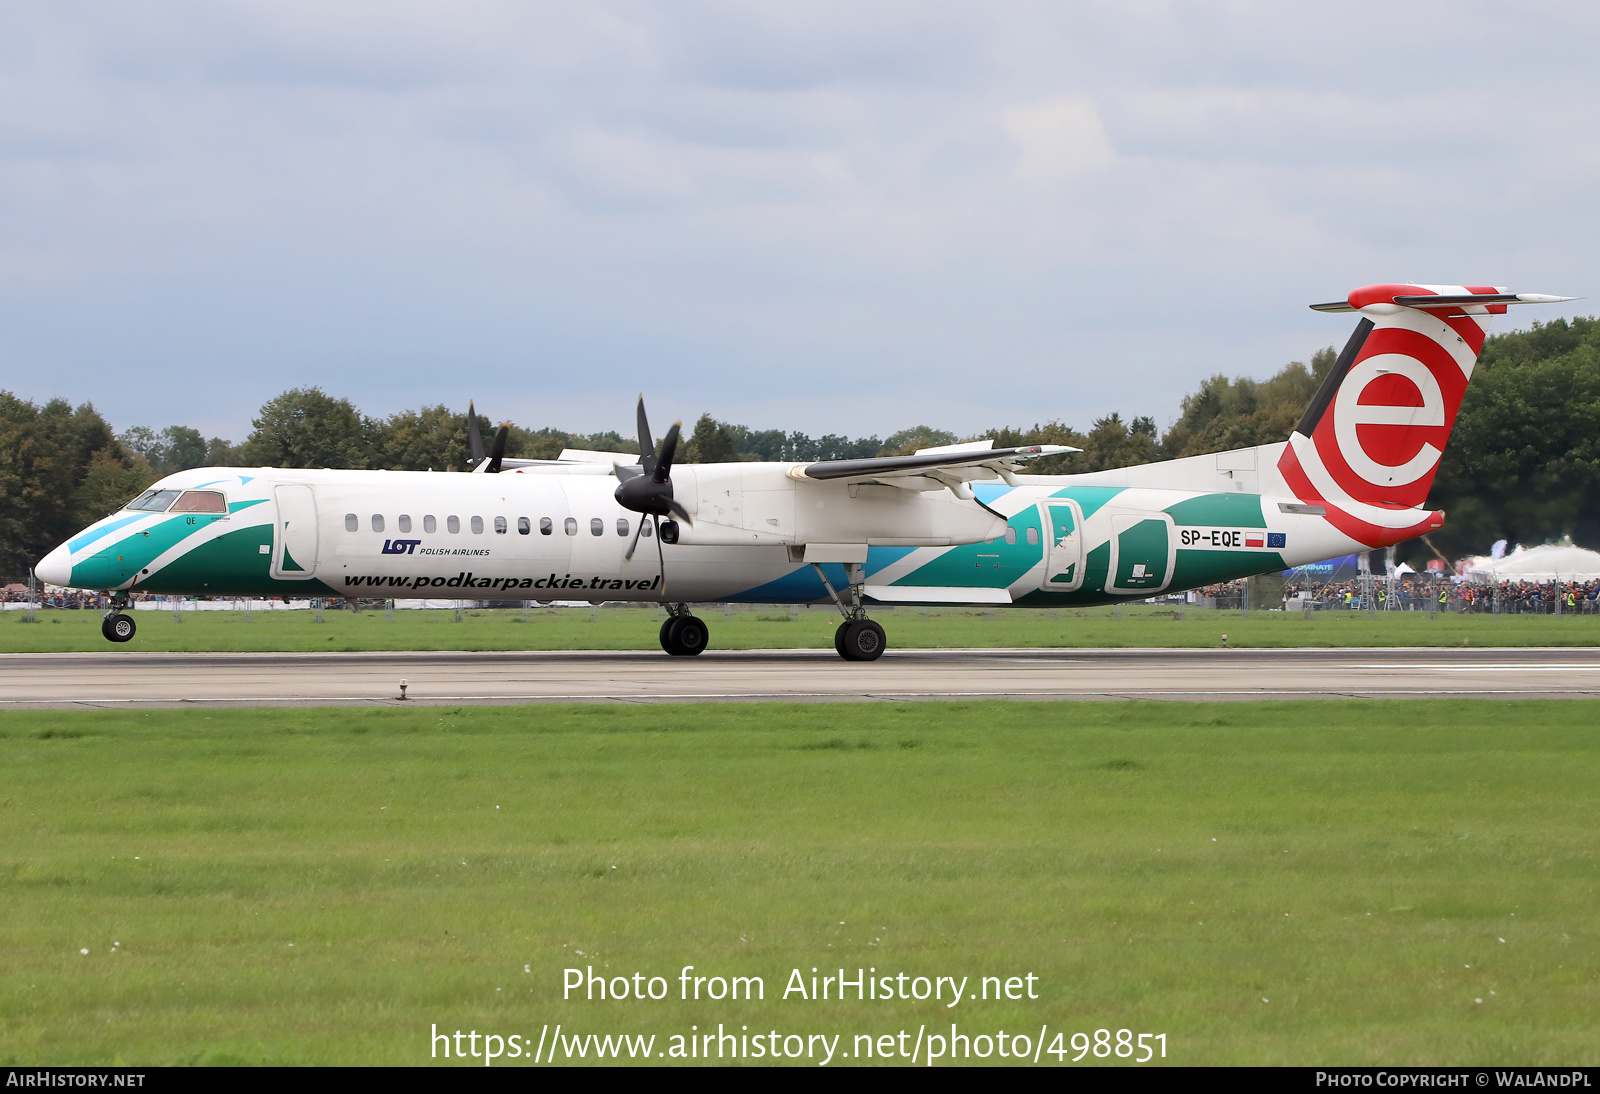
(116, 626)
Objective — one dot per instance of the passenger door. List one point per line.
(294, 539)
(1062, 521)
(1143, 550)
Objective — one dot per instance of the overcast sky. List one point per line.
(835, 217)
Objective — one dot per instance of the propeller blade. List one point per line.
(628, 554)
(680, 512)
(647, 444)
(497, 453)
(474, 438)
(669, 449)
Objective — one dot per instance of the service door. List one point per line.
(1143, 550)
(1063, 554)
(294, 544)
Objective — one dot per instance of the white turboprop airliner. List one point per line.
(950, 525)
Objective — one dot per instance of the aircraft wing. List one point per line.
(950, 467)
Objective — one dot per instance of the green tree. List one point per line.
(908, 441)
(306, 428)
(1111, 442)
(47, 493)
(433, 438)
(176, 448)
(1523, 461)
(1226, 414)
(711, 442)
(112, 479)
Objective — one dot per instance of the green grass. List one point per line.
(320, 886)
(771, 627)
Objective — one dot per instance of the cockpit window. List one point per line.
(154, 501)
(201, 501)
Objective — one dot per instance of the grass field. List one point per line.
(775, 628)
(1316, 882)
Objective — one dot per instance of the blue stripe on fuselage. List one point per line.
(803, 586)
(78, 544)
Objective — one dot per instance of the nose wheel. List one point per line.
(117, 627)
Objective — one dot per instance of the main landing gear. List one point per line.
(683, 635)
(116, 626)
(858, 638)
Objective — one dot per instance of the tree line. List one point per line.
(1523, 463)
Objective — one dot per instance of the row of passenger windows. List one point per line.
(452, 524)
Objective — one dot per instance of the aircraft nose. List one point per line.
(56, 567)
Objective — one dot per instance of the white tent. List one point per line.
(1552, 562)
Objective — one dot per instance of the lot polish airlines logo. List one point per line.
(400, 546)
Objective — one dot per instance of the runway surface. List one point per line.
(121, 680)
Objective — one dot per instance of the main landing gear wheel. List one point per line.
(684, 636)
(118, 627)
(860, 640)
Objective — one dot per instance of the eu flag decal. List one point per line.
(1275, 539)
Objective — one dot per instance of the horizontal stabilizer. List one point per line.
(1407, 296)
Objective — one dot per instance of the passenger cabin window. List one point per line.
(477, 526)
(352, 523)
(1011, 535)
(429, 524)
(524, 526)
(597, 527)
(377, 522)
(154, 501)
(404, 521)
(452, 524)
(622, 526)
(546, 526)
(644, 529)
(201, 501)
(571, 526)
(499, 526)
(1033, 537)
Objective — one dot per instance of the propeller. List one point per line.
(648, 490)
(497, 451)
(474, 438)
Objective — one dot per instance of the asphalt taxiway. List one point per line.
(117, 679)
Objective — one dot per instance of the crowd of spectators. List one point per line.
(53, 598)
(1418, 592)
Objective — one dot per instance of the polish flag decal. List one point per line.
(1254, 541)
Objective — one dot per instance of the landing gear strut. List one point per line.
(683, 635)
(116, 626)
(858, 638)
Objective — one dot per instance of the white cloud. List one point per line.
(1059, 138)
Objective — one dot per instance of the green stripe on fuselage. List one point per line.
(231, 565)
(114, 565)
(1220, 511)
(992, 565)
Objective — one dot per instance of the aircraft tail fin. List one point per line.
(1371, 440)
